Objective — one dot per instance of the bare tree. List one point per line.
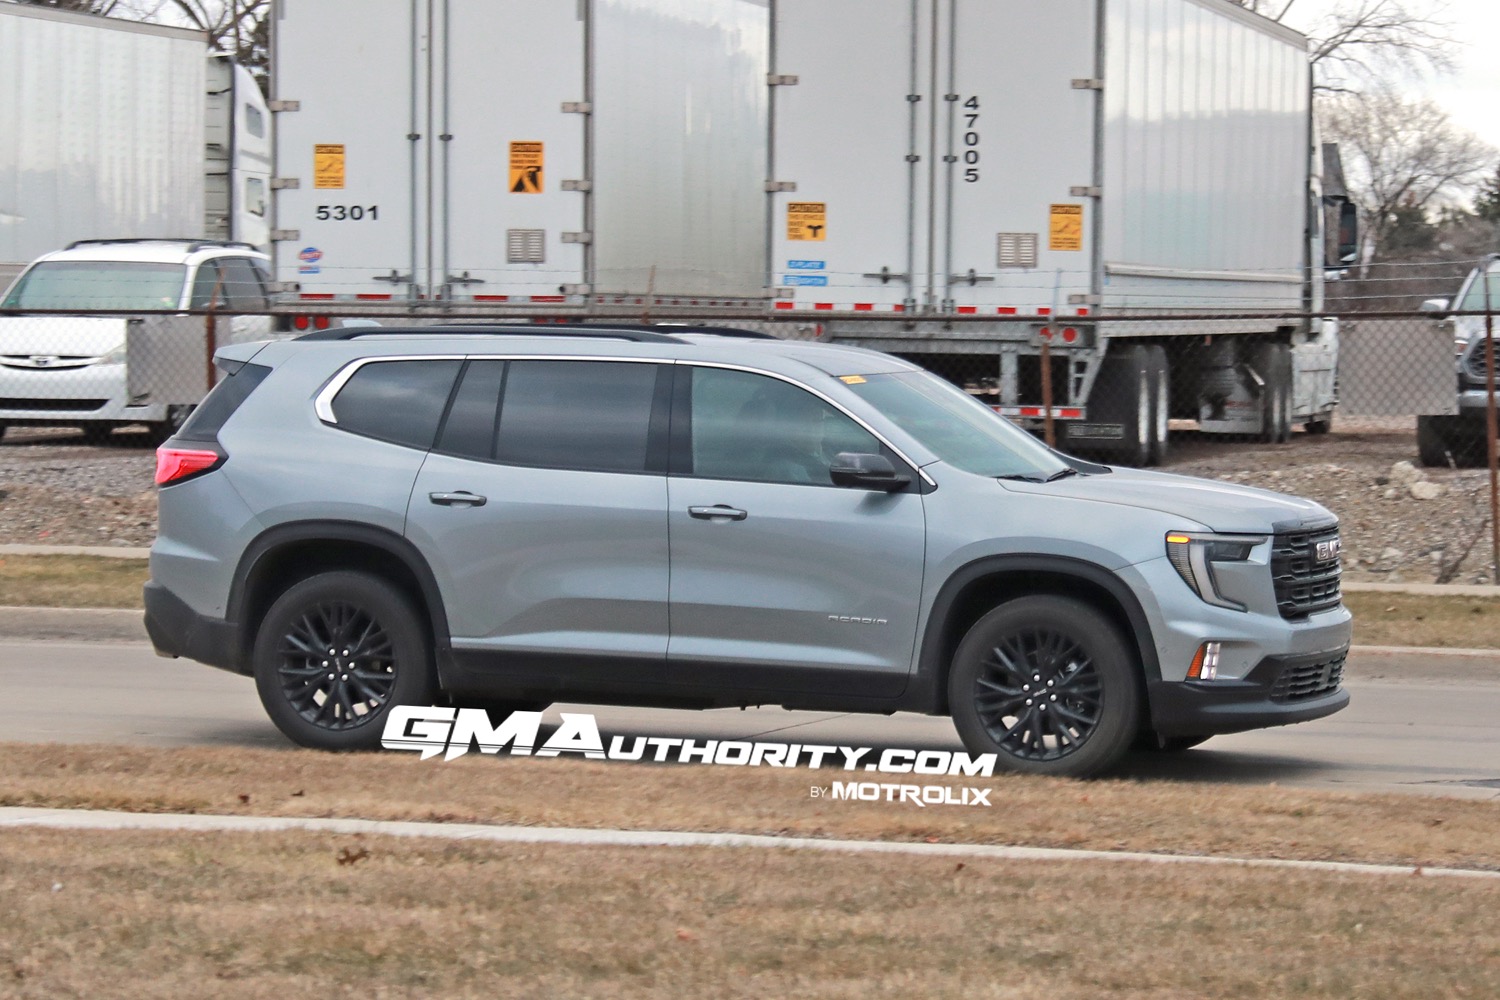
(238, 27)
(1404, 156)
(1354, 41)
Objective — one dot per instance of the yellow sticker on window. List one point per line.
(853, 379)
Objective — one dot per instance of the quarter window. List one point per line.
(397, 401)
(761, 429)
(593, 415)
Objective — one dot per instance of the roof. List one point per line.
(151, 251)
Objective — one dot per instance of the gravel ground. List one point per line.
(1401, 524)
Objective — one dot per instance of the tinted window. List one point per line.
(208, 287)
(242, 284)
(762, 429)
(577, 415)
(221, 402)
(470, 428)
(398, 401)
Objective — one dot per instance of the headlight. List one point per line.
(1193, 557)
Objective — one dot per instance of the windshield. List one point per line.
(97, 284)
(1474, 298)
(957, 428)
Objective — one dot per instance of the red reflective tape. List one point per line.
(1082, 311)
(899, 309)
(1071, 414)
(549, 298)
(317, 296)
(864, 307)
(823, 305)
(786, 305)
(1006, 310)
(374, 296)
(492, 298)
(1044, 311)
(968, 310)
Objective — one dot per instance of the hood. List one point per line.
(1218, 506)
(64, 336)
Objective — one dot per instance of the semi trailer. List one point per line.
(1099, 215)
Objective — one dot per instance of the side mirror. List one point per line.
(1435, 306)
(870, 472)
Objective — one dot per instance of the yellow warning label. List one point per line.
(1066, 229)
(807, 220)
(526, 162)
(328, 165)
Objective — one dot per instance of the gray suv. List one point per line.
(506, 517)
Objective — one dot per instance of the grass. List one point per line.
(1225, 820)
(72, 581)
(1380, 619)
(297, 914)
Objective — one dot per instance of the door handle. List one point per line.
(463, 498)
(717, 511)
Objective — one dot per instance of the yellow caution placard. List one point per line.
(1065, 230)
(527, 163)
(807, 220)
(328, 165)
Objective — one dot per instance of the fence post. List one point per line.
(1490, 430)
(210, 345)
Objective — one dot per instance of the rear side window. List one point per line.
(234, 388)
(397, 401)
(593, 415)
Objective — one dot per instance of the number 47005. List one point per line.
(348, 213)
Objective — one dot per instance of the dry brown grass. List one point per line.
(1415, 620)
(1224, 820)
(72, 581)
(238, 915)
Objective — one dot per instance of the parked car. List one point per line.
(1460, 437)
(71, 370)
(503, 518)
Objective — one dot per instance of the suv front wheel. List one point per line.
(1048, 685)
(334, 653)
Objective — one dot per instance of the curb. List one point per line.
(88, 819)
(103, 551)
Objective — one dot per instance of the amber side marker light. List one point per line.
(1205, 665)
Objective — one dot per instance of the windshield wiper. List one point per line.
(1018, 477)
(1061, 474)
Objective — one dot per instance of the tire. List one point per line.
(1161, 408)
(1121, 396)
(97, 434)
(1319, 425)
(1273, 362)
(1432, 440)
(389, 662)
(1098, 699)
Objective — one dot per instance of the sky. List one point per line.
(1472, 95)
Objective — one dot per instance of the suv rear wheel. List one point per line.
(1047, 685)
(334, 654)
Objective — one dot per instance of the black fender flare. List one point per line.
(928, 690)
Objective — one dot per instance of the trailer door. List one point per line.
(853, 135)
(506, 69)
(351, 158)
(1018, 131)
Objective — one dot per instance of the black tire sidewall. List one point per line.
(1112, 658)
(415, 677)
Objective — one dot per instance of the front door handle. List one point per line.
(716, 512)
(463, 498)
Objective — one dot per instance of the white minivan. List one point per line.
(58, 369)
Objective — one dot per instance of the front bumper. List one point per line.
(71, 396)
(1279, 691)
(177, 630)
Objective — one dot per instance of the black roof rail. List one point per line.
(195, 243)
(643, 335)
(673, 328)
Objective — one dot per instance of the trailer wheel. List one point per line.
(1321, 424)
(1121, 400)
(1161, 410)
(1273, 362)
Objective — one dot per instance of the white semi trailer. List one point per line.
(110, 128)
(957, 181)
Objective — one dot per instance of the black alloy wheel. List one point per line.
(1048, 685)
(334, 654)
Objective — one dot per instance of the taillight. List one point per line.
(321, 322)
(176, 464)
(301, 322)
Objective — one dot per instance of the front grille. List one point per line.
(1303, 584)
(1477, 362)
(51, 405)
(1308, 680)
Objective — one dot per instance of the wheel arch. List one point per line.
(287, 553)
(976, 588)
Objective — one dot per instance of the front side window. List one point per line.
(131, 286)
(397, 401)
(1474, 299)
(243, 285)
(761, 429)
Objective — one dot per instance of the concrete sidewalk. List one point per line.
(86, 819)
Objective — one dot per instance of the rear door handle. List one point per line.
(717, 511)
(463, 498)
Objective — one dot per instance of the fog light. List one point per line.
(1205, 666)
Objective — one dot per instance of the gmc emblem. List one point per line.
(1328, 551)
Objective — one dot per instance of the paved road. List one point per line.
(1418, 723)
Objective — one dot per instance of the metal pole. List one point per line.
(210, 345)
(1490, 432)
(1049, 433)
